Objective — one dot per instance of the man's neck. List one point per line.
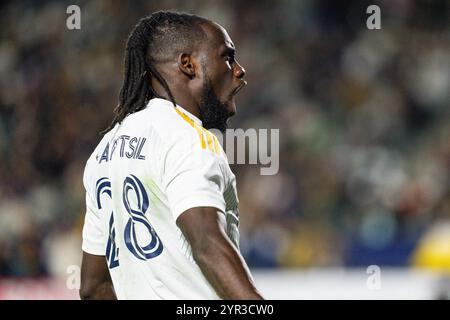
(186, 101)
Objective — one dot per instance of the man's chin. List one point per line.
(231, 107)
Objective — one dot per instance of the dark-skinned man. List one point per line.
(162, 208)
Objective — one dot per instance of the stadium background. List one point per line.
(364, 140)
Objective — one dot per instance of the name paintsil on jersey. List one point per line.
(124, 146)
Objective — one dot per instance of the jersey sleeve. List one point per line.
(193, 177)
(93, 233)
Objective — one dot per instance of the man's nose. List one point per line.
(239, 71)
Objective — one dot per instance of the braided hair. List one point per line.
(155, 39)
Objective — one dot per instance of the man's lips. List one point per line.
(239, 87)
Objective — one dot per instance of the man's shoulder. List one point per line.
(164, 120)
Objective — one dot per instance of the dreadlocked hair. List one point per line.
(156, 38)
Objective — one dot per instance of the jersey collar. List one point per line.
(190, 115)
(181, 109)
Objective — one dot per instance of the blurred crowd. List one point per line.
(363, 118)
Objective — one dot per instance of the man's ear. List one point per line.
(187, 65)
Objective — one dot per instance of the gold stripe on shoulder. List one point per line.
(209, 138)
(195, 126)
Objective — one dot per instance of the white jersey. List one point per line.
(145, 172)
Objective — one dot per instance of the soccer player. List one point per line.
(162, 209)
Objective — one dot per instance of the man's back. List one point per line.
(161, 198)
(145, 172)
